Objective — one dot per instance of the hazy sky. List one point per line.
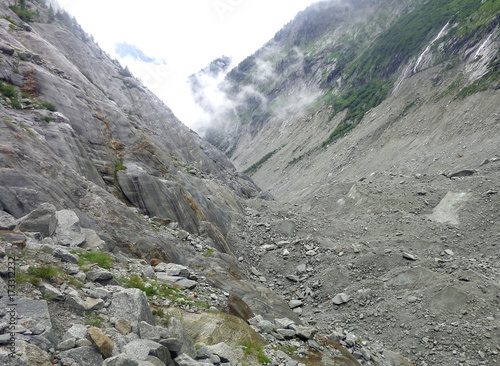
(187, 34)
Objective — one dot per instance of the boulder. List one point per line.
(7, 222)
(226, 353)
(73, 300)
(123, 326)
(99, 275)
(77, 331)
(68, 231)
(102, 341)
(172, 269)
(84, 356)
(176, 330)
(120, 360)
(185, 360)
(237, 307)
(140, 349)
(42, 220)
(340, 299)
(50, 292)
(64, 255)
(131, 304)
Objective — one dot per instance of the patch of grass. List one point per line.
(45, 271)
(209, 253)
(161, 314)
(93, 320)
(25, 277)
(47, 105)
(47, 118)
(103, 260)
(73, 281)
(22, 56)
(253, 349)
(2, 238)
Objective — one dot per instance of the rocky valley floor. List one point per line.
(408, 261)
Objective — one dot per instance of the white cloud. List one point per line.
(187, 34)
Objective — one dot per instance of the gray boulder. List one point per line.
(131, 304)
(226, 353)
(74, 301)
(185, 360)
(140, 349)
(68, 231)
(98, 275)
(84, 356)
(64, 255)
(120, 360)
(176, 330)
(7, 222)
(77, 331)
(173, 269)
(50, 292)
(42, 220)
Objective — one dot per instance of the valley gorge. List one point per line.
(341, 209)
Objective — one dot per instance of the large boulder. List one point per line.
(68, 231)
(141, 349)
(42, 220)
(131, 304)
(84, 356)
(7, 222)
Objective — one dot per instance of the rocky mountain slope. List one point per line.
(126, 239)
(375, 126)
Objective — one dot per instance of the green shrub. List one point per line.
(103, 260)
(93, 320)
(119, 166)
(24, 14)
(47, 118)
(47, 105)
(16, 104)
(8, 90)
(45, 271)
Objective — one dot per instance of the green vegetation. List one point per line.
(119, 166)
(47, 118)
(23, 13)
(35, 275)
(253, 349)
(49, 106)
(162, 290)
(161, 314)
(93, 320)
(103, 260)
(8, 90)
(209, 253)
(484, 83)
(251, 170)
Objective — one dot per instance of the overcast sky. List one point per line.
(187, 34)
